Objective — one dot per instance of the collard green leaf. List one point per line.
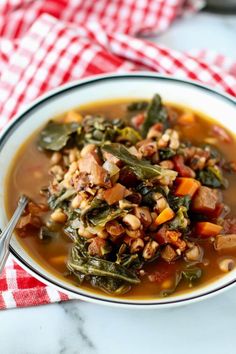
(166, 153)
(131, 261)
(177, 280)
(56, 135)
(137, 106)
(180, 221)
(98, 129)
(56, 201)
(212, 177)
(156, 113)
(128, 134)
(143, 169)
(176, 202)
(110, 285)
(99, 213)
(99, 267)
(191, 275)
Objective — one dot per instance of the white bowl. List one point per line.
(220, 106)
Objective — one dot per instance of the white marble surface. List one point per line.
(82, 328)
(204, 30)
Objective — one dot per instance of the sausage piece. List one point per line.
(205, 200)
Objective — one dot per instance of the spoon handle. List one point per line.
(7, 232)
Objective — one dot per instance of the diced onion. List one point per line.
(111, 168)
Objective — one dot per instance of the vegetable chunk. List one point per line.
(204, 200)
(206, 229)
(186, 186)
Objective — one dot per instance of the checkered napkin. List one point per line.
(46, 43)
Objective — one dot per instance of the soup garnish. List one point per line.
(139, 197)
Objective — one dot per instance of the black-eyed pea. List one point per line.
(72, 156)
(133, 233)
(132, 221)
(56, 158)
(59, 216)
(150, 249)
(137, 245)
(226, 265)
(75, 203)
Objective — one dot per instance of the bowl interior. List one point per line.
(221, 108)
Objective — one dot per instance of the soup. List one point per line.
(134, 199)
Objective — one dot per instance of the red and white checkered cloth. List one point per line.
(46, 43)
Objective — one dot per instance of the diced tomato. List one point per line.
(96, 246)
(161, 236)
(181, 168)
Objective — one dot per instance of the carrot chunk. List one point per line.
(186, 186)
(206, 229)
(166, 215)
(186, 118)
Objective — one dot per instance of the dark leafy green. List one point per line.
(56, 201)
(180, 221)
(191, 275)
(176, 202)
(55, 135)
(177, 280)
(99, 213)
(128, 134)
(156, 113)
(98, 130)
(130, 261)
(142, 169)
(166, 153)
(110, 285)
(99, 267)
(212, 177)
(147, 192)
(137, 106)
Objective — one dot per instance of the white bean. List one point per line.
(132, 221)
(59, 216)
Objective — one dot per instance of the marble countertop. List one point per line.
(81, 328)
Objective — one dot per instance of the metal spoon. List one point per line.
(7, 232)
